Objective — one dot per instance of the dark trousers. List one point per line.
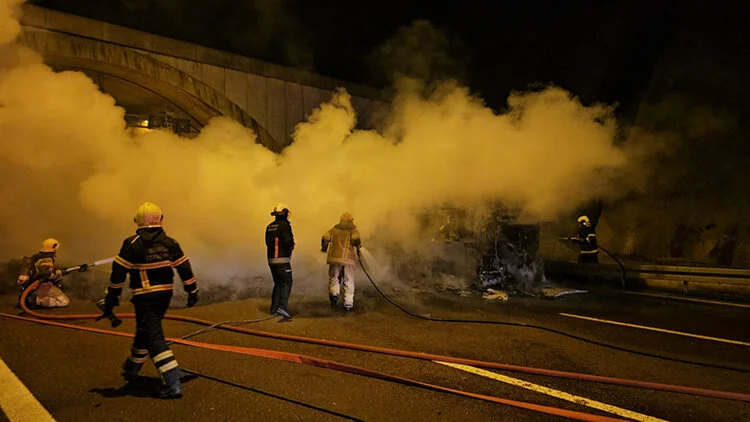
(282, 286)
(588, 258)
(149, 335)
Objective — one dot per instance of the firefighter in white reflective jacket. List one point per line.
(41, 266)
(340, 242)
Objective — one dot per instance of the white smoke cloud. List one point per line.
(70, 169)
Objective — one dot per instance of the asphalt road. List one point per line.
(75, 375)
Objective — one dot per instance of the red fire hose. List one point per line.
(423, 356)
(308, 360)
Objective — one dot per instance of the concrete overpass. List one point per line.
(143, 71)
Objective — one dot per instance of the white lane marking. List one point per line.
(16, 400)
(691, 299)
(661, 330)
(556, 393)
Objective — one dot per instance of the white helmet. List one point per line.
(148, 215)
(584, 220)
(280, 209)
(347, 216)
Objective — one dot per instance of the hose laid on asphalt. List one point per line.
(337, 366)
(425, 356)
(539, 327)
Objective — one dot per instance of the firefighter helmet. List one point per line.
(49, 245)
(347, 217)
(280, 209)
(148, 215)
(584, 220)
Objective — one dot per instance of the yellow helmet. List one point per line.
(49, 245)
(148, 215)
(347, 217)
(584, 220)
(280, 209)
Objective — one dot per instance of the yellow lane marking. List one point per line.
(556, 393)
(691, 299)
(661, 330)
(16, 400)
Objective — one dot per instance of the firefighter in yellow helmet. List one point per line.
(340, 242)
(586, 240)
(150, 257)
(41, 266)
(279, 248)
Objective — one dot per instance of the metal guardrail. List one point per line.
(685, 274)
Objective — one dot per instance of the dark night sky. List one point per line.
(600, 50)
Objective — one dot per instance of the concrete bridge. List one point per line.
(147, 73)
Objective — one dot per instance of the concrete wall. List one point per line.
(276, 97)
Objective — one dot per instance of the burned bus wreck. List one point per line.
(460, 248)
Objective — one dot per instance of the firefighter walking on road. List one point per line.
(279, 247)
(41, 266)
(340, 242)
(586, 240)
(150, 258)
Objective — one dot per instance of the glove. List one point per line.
(192, 299)
(23, 284)
(108, 303)
(83, 268)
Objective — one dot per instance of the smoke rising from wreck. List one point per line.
(72, 170)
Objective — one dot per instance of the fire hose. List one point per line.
(623, 273)
(84, 267)
(299, 358)
(539, 327)
(421, 356)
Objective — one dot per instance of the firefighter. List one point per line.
(150, 258)
(41, 266)
(586, 240)
(340, 242)
(279, 245)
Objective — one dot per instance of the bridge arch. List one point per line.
(135, 71)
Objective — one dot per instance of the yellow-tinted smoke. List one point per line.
(70, 169)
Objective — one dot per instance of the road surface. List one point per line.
(74, 375)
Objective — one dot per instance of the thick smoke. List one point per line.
(9, 26)
(71, 169)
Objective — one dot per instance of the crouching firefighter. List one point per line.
(42, 267)
(586, 240)
(150, 257)
(340, 242)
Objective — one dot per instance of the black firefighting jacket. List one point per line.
(587, 240)
(150, 257)
(279, 241)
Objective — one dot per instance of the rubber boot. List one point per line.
(130, 370)
(172, 388)
(283, 313)
(334, 300)
(31, 301)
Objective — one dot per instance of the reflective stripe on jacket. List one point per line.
(340, 242)
(150, 258)
(279, 241)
